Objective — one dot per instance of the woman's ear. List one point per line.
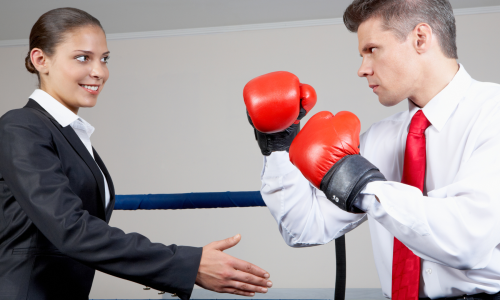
(39, 61)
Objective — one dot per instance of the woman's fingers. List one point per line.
(250, 279)
(223, 273)
(247, 267)
(243, 287)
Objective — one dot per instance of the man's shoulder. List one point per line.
(482, 99)
(483, 90)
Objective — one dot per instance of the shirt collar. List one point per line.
(59, 112)
(440, 108)
(81, 124)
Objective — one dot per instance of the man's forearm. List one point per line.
(304, 215)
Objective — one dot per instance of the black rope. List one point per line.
(341, 268)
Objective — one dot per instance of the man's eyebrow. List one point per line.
(368, 46)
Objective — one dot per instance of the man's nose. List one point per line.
(365, 69)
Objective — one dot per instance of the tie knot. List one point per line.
(419, 123)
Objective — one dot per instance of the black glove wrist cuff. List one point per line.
(347, 178)
(279, 141)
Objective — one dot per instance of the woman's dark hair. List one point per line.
(50, 29)
(401, 16)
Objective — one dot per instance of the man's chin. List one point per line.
(388, 102)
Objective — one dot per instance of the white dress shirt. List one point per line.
(66, 117)
(454, 226)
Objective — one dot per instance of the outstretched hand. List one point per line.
(223, 273)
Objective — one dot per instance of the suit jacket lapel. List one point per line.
(111, 187)
(79, 147)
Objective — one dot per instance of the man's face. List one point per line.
(389, 65)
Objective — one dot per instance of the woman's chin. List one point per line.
(88, 102)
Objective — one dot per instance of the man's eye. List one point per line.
(105, 59)
(372, 49)
(82, 58)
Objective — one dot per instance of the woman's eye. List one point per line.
(105, 59)
(82, 58)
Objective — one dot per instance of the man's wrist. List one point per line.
(277, 164)
(365, 198)
(359, 202)
(347, 178)
(363, 202)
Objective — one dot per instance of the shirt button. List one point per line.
(428, 271)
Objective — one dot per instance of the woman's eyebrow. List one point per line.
(84, 51)
(90, 52)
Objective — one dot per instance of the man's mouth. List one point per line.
(373, 87)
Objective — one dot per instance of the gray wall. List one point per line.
(171, 119)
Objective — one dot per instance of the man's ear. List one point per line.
(39, 60)
(422, 38)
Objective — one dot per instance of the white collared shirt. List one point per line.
(454, 226)
(66, 117)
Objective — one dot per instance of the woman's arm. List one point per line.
(31, 167)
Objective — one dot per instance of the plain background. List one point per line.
(171, 119)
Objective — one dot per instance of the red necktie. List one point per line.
(405, 264)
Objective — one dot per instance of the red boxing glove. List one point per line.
(326, 152)
(277, 100)
(323, 141)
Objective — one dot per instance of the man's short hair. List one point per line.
(402, 16)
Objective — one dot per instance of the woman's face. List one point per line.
(77, 71)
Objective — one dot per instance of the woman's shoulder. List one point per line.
(23, 114)
(25, 117)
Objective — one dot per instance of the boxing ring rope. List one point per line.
(221, 200)
(189, 200)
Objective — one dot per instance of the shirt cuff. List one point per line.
(277, 164)
(408, 213)
(365, 199)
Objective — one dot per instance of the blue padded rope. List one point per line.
(221, 200)
(189, 200)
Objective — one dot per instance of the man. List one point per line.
(449, 224)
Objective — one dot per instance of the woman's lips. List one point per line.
(93, 89)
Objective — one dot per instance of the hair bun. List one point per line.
(29, 65)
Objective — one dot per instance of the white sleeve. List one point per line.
(456, 225)
(305, 216)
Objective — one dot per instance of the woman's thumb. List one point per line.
(228, 243)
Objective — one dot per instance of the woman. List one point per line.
(56, 195)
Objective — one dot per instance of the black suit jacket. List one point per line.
(54, 230)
